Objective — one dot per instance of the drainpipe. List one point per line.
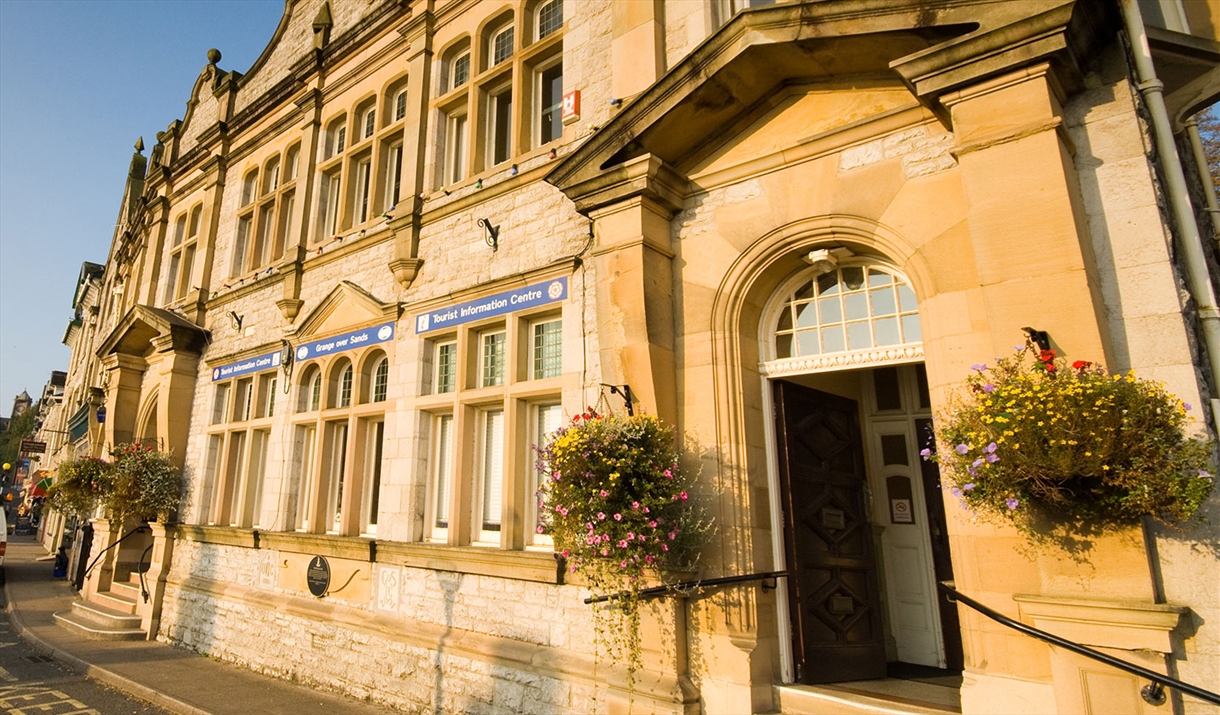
(1205, 176)
(1197, 278)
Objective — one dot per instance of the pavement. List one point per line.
(172, 678)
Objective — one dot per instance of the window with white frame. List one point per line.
(368, 123)
(500, 45)
(456, 142)
(550, 103)
(339, 433)
(499, 125)
(849, 308)
(487, 384)
(239, 434)
(459, 70)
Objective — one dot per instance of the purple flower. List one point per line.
(968, 487)
(1012, 503)
(1018, 348)
(925, 453)
(992, 458)
(1186, 406)
(962, 448)
(978, 366)
(977, 463)
(1205, 474)
(956, 492)
(972, 471)
(989, 387)
(991, 448)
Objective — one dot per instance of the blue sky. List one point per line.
(79, 82)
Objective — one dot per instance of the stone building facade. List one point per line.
(354, 285)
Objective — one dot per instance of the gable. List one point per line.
(794, 116)
(346, 307)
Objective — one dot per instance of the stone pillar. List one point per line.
(406, 221)
(635, 293)
(155, 578)
(105, 533)
(175, 397)
(126, 374)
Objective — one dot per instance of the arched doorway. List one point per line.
(863, 534)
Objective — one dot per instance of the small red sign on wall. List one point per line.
(571, 106)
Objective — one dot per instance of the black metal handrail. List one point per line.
(663, 591)
(1152, 693)
(140, 570)
(136, 530)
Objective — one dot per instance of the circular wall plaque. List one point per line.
(318, 576)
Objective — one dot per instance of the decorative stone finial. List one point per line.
(213, 55)
(140, 144)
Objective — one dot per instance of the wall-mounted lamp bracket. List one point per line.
(493, 234)
(235, 319)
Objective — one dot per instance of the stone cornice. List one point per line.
(646, 176)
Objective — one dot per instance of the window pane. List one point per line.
(910, 329)
(552, 104)
(878, 278)
(853, 278)
(315, 392)
(883, 302)
(501, 126)
(894, 449)
(807, 342)
(785, 319)
(856, 306)
(400, 105)
(548, 349)
(549, 418)
(832, 310)
(239, 245)
(493, 359)
(832, 339)
(858, 336)
(188, 268)
(886, 330)
(444, 448)
(886, 390)
(372, 477)
(171, 279)
(446, 367)
(906, 298)
(502, 46)
(370, 123)
(461, 71)
(381, 380)
(921, 383)
(493, 470)
(783, 346)
(550, 18)
(806, 315)
(828, 283)
(220, 400)
(307, 437)
(335, 477)
(345, 387)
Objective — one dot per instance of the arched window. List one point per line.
(309, 398)
(381, 380)
(848, 308)
(345, 387)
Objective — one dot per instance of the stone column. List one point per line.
(178, 372)
(105, 533)
(155, 578)
(122, 397)
(635, 293)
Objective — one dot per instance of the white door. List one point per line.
(898, 508)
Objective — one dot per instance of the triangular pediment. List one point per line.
(762, 58)
(145, 329)
(347, 307)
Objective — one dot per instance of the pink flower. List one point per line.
(645, 510)
(601, 516)
(566, 553)
(630, 536)
(622, 544)
(623, 565)
(648, 559)
(540, 529)
(618, 517)
(665, 547)
(683, 495)
(653, 524)
(672, 536)
(605, 494)
(635, 505)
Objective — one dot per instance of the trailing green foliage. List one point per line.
(137, 483)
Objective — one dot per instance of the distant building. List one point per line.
(353, 285)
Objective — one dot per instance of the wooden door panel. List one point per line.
(833, 591)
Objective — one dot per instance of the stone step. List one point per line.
(116, 601)
(890, 696)
(127, 590)
(76, 621)
(105, 617)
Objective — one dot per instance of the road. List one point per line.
(34, 684)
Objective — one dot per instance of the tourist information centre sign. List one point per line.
(492, 305)
(245, 367)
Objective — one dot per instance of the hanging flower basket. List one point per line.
(620, 511)
(80, 485)
(1033, 437)
(145, 484)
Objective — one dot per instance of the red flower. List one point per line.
(1081, 364)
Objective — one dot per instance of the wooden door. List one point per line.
(834, 597)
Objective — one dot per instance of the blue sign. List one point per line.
(492, 305)
(346, 341)
(243, 367)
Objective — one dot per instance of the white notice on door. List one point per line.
(900, 511)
